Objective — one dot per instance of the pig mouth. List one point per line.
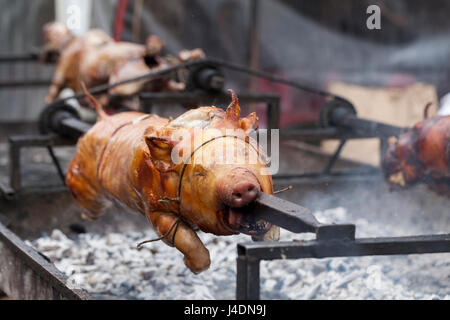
(239, 220)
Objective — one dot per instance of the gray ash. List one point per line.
(111, 267)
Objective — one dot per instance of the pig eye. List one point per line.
(199, 170)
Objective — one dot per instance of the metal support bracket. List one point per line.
(332, 240)
(272, 101)
(16, 143)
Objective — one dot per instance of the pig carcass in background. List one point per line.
(96, 59)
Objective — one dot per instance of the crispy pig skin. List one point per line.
(421, 155)
(126, 158)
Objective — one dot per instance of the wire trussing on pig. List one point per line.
(178, 198)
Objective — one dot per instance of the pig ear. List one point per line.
(160, 148)
(249, 123)
(233, 110)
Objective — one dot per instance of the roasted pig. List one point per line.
(172, 172)
(421, 155)
(96, 59)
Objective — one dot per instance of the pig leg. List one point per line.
(55, 87)
(196, 256)
(59, 79)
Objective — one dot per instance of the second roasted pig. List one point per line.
(96, 59)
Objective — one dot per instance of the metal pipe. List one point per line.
(24, 83)
(369, 127)
(346, 118)
(19, 58)
(346, 248)
(73, 127)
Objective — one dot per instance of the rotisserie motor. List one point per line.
(421, 155)
(129, 158)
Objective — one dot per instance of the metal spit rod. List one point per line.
(344, 116)
(367, 127)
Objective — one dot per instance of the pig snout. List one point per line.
(243, 193)
(238, 188)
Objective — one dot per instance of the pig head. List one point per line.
(216, 176)
(201, 171)
(56, 36)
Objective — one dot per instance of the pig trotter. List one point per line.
(177, 233)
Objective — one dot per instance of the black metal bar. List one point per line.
(369, 172)
(377, 129)
(343, 115)
(319, 134)
(24, 83)
(273, 115)
(74, 128)
(6, 191)
(247, 278)
(285, 214)
(19, 58)
(272, 101)
(16, 143)
(334, 158)
(57, 164)
(14, 165)
(352, 129)
(319, 179)
(191, 97)
(38, 140)
(146, 105)
(258, 251)
(346, 248)
(297, 219)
